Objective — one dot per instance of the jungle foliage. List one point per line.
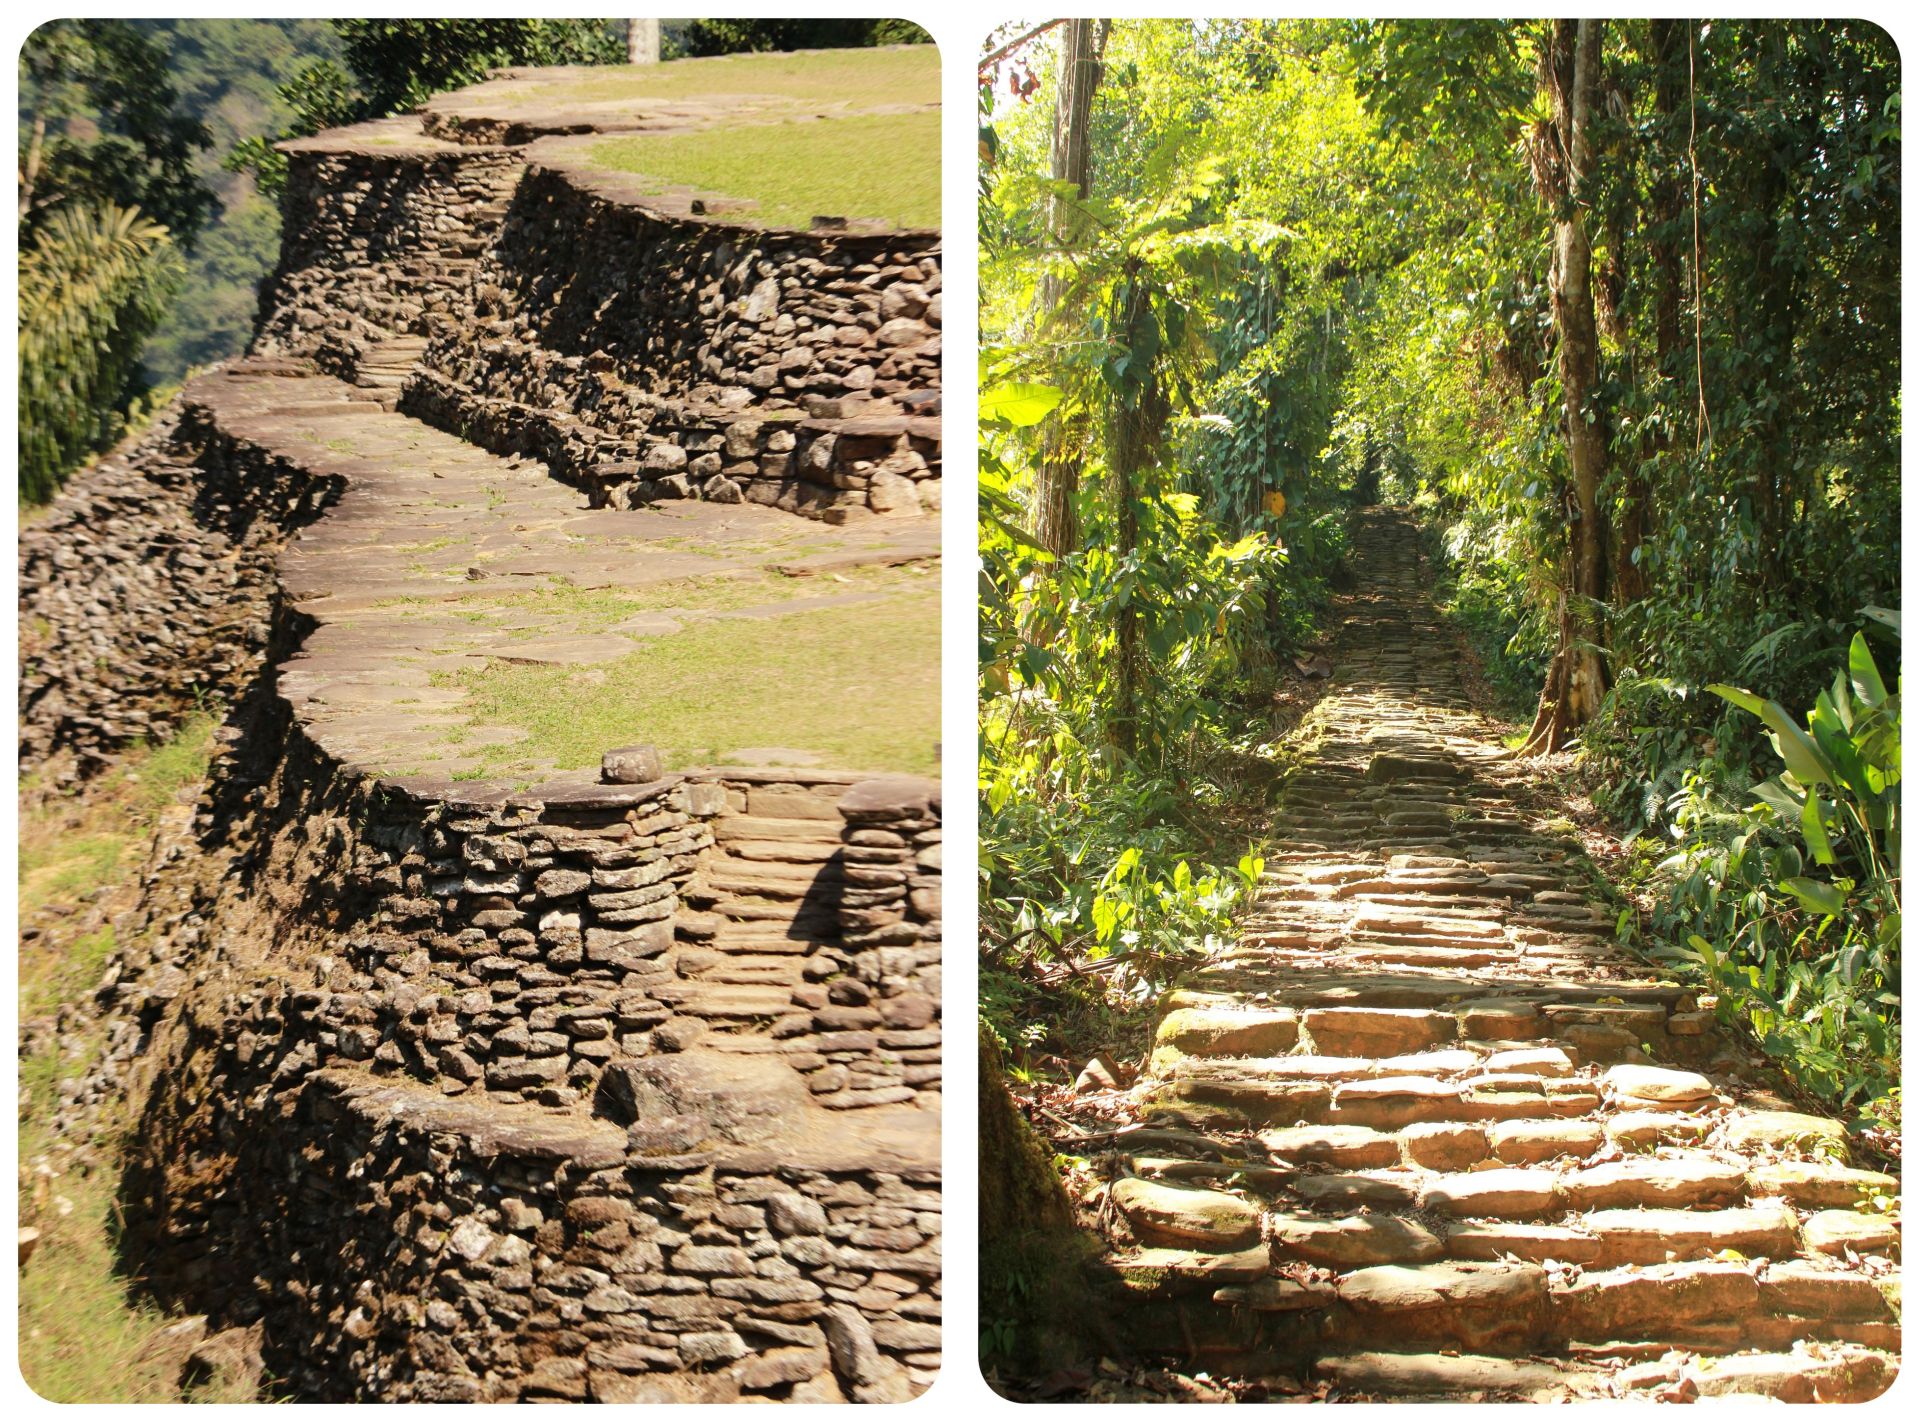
(1612, 305)
(1789, 894)
(108, 197)
(92, 286)
(1163, 492)
(226, 74)
(700, 37)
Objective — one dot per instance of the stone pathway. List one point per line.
(1425, 1131)
(439, 557)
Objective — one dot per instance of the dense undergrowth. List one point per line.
(1767, 842)
(1113, 855)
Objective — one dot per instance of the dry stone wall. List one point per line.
(638, 351)
(619, 1091)
(381, 1140)
(145, 590)
(465, 1255)
(382, 230)
(681, 358)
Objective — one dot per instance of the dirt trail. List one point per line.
(1424, 1130)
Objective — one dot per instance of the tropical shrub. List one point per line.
(93, 284)
(1090, 853)
(1790, 903)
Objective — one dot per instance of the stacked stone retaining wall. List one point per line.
(590, 1091)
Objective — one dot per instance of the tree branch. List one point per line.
(1011, 45)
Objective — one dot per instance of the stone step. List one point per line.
(1461, 1123)
(763, 828)
(1462, 1377)
(769, 879)
(1722, 1306)
(785, 851)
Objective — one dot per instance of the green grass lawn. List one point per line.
(861, 78)
(563, 608)
(856, 686)
(876, 166)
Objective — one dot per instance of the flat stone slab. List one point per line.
(1204, 1031)
(1452, 1375)
(424, 562)
(1657, 1086)
(1178, 1216)
(1786, 1130)
(1355, 1241)
(1837, 1231)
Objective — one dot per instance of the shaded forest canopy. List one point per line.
(1613, 306)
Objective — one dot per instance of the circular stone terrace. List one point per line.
(472, 619)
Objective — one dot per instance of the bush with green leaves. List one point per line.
(1089, 853)
(93, 284)
(1790, 903)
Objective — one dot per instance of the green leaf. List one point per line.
(1019, 536)
(1821, 898)
(1019, 402)
(1777, 796)
(1813, 829)
(1867, 684)
(1804, 759)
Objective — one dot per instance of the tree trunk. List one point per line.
(1036, 1299)
(1572, 75)
(643, 41)
(1666, 52)
(1136, 437)
(30, 168)
(1058, 482)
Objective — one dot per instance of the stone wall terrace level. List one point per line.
(643, 355)
(147, 588)
(379, 242)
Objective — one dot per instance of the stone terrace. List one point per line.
(395, 577)
(1424, 1131)
(615, 1081)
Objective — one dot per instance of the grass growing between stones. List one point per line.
(857, 687)
(875, 166)
(70, 846)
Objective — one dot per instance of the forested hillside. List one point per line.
(1612, 310)
(227, 75)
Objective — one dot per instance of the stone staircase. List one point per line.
(1425, 1131)
(757, 886)
(385, 364)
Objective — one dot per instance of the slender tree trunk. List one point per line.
(1136, 438)
(1666, 50)
(1579, 680)
(1775, 312)
(1081, 45)
(643, 41)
